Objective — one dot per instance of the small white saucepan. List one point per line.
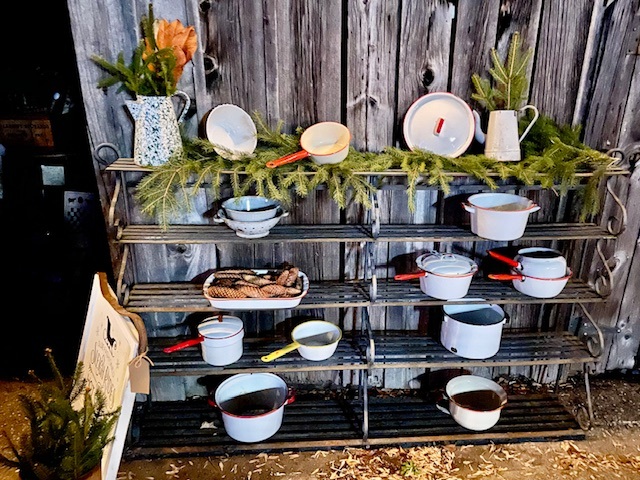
(315, 340)
(536, 262)
(445, 276)
(323, 143)
(220, 338)
(534, 286)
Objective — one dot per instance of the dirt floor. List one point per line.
(611, 450)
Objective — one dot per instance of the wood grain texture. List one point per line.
(613, 76)
(560, 55)
(364, 63)
(476, 30)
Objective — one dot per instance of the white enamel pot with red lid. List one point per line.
(537, 262)
(534, 286)
(499, 216)
(472, 330)
(220, 338)
(252, 405)
(445, 276)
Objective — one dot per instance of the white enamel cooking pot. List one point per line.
(445, 276)
(534, 286)
(474, 402)
(323, 143)
(220, 338)
(472, 330)
(499, 216)
(252, 405)
(536, 262)
(315, 340)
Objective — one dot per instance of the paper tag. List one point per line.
(139, 375)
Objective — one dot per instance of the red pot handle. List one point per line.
(409, 276)
(291, 397)
(292, 157)
(505, 276)
(185, 344)
(509, 261)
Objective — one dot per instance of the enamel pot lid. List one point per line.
(439, 122)
(446, 264)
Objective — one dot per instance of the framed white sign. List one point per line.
(109, 343)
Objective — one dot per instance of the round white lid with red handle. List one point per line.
(439, 122)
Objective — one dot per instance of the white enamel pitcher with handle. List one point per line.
(502, 142)
(157, 135)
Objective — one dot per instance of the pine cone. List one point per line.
(225, 292)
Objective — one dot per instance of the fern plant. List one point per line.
(510, 82)
(62, 443)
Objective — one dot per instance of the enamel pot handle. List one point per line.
(441, 402)
(409, 276)
(292, 157)
(509, 261)
(185, 344)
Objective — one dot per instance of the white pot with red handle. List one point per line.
(445, 276)
(220, 338)
(534, 286)
(536, 262)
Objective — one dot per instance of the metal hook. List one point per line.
(100, 158)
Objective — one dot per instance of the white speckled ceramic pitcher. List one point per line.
(157, 135)
(502, 142)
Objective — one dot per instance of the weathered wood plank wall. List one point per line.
(363, 63)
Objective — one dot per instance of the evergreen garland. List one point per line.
(552, 156)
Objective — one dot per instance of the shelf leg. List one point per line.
(365, 405)
(587, 388)
(559, 377)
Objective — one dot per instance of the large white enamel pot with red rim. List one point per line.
(472, 330)
(499, 216)
(445, 276)
(252, 405)
(474, 402)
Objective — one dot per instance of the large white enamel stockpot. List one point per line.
(537, 262)
(252, 405)
(472, 330)
(472, 416)
(499, 216)
(445, 276)
(220, 338)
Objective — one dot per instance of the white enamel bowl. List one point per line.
(250, 229)
(232, 131)
(250, 208)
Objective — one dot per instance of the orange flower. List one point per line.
(182, 39)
